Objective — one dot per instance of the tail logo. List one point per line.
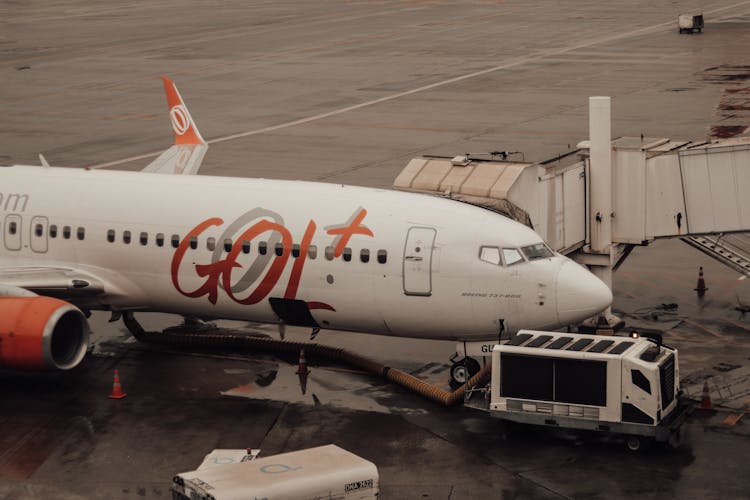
(180, 119)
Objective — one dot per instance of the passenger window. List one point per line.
(364, 255)
(12, 228)
(279, 249)
(347, 254)
(262, 248)
(81, 233)
(245, 246)
(126, 237)
(329, 253)
(490, 254)
(211, 244)
(66, 232)
(144, 239)
(38, 230)
(110, 235)
(159, 239)
(193, 242)
(175, 240)
(382, 256)
(511, 256)
(228, 245)
(52, 231)
(538, 251)
(295, 250)
(312, 251)
(640, 380)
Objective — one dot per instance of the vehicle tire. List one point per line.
(463, 370)
(634, 443)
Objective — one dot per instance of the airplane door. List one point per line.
(39, 234)
(12, 232)
(418, 261)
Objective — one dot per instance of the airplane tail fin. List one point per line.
(186, 155)
(185, 131)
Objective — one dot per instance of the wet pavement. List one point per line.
(349, 92)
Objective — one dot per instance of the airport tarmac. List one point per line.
(348, 92)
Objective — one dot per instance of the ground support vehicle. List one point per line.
(620, 386)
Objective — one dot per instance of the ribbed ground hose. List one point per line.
(312, 350)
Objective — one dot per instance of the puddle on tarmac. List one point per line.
(323, 386)
(733, 110)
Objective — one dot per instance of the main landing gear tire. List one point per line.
(462, 370)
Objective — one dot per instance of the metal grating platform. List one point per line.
(732, 250)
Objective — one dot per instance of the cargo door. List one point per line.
(418, 261)
(12, 232)
(39, 234)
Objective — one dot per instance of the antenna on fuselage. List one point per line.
(43, 160)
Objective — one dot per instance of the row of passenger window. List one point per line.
(263, 247)
(510, 256)
(66, 232)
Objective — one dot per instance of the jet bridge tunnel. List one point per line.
(660, 188)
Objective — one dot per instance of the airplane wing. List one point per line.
(186, 155)
(50, 281)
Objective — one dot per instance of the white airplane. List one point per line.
(290, 252)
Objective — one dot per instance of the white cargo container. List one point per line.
(611, 384)
(323, 472)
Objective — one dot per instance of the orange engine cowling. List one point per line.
(41, 333)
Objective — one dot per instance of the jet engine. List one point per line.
(41, 333)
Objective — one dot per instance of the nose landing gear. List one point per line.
(463, 369)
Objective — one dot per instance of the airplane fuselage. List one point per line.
(341, 257)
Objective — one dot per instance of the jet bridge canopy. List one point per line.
(472, 180)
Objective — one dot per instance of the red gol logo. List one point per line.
(219, 272)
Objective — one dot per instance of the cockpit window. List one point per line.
(538, 251)
(490, 254)
(511, 256)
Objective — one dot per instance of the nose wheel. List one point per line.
(462, 370)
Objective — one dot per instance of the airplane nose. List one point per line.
(580, 294)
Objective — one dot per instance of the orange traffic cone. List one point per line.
(302, 368)
(706, 403)
(117, 388)
(701, 288)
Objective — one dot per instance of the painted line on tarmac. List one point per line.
(510, 64)
(719, 336)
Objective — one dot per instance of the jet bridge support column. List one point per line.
(598, 253)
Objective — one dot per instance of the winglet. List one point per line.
(185, 131)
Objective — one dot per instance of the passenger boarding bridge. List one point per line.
(597, 202)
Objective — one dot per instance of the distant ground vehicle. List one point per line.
(322, 472)
(616, 385)
(690, 23)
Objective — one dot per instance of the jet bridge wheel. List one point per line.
(463, 369)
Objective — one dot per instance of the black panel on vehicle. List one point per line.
(632, 414)
(526, 377)
(601, 346)
(581, 382)
(579, 344)
(542, 339)
(666, 373)
(557, 344)
(520, 339)
(621, 347)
